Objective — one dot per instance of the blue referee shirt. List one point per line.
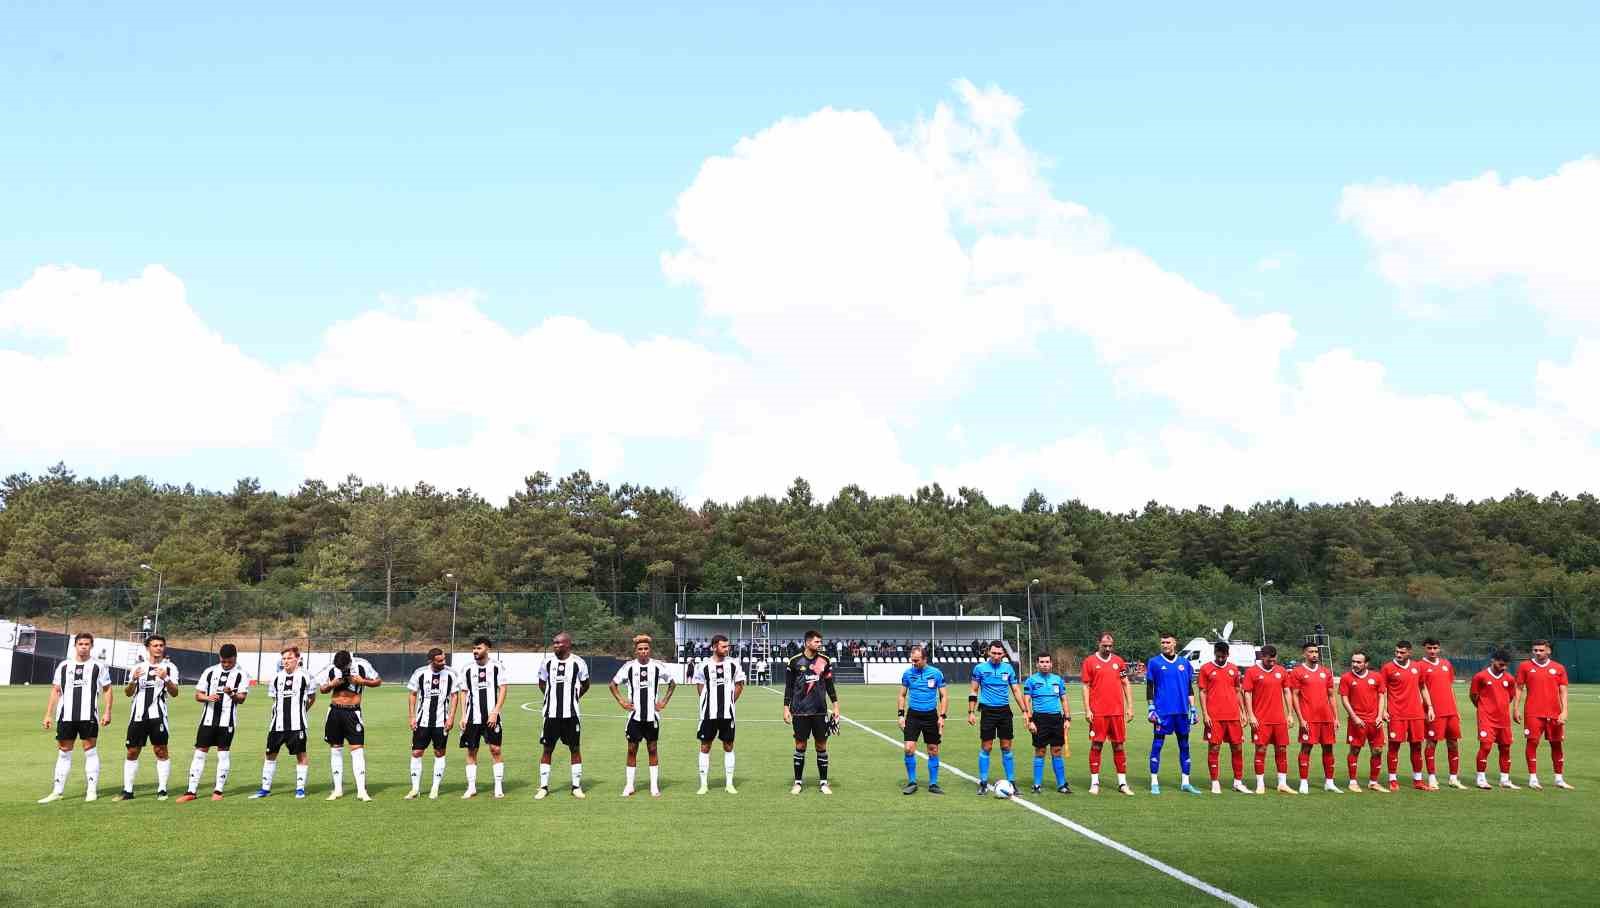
(1171, 680)
(1046, 691)
(922, 686)
(994, 682)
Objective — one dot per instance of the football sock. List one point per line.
(799, 764)
(727, 765)
(577, 775)
(822, 765)
(1558, 756)
(1237, 752)
(933, 769)
(1394, 758)
(1374, 764)
(1283, 778)
(1183, 754)
(1352, 763)
(655, 778)
(130, 769)
(1094, 780)
(358, 767)
(1280, 758)
(472, 777)
(268, 770)
(416, 773)
(1214, 760)
(63, 767)
(1305, 763)
(1122, 778)
(197, 766)
(1430, 757)
(705, 765)
(911, 769)
(1120, 758)
(1416, 759)
(983, 766)
(91, 768)
(336, 762)
(544, 775)
(1094, 759)
(1454, 751)
(499, 773)
(1327, 761)
(1505, 759)
(301, 772)
(163, 773)
(1038, 771)
(1483, 757)
(224, 763)
(1533, 755)
(1156, 745)
(438, 771)
(630, 775)
(1261, 761)
(1008, 761)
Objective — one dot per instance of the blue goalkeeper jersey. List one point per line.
(1170, 681)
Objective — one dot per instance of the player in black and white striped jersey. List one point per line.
(292, 692)
(483, 693)
(433, 698)
(563, 680)
(641, 676)
(78, 682)
(222, 687)
(345, 679)
(720, 681)
(149, 685)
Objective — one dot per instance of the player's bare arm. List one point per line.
(1350, 713)
(1427, 703)
(627, 705)
(900, 707)
(411, 708)
(50, 708)
(1023, 703)
(1561, 693)
(500, 702)
(105, 708)
(1383, 706)
(1127, 700)
(1027, 713)
(667, 697)
(944, 705)
(972, 704)
(1250, 708)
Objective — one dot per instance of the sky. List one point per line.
(1169, 253)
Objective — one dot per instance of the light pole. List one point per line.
(1261, 606)
(156, 625)
(1031, 584)
(740, 578)
(455, 601)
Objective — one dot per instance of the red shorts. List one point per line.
(1546, 727)
(1317, 733)
(1501, 735)
(1108, 728)
(1407, 730)
(1276, 733)
(1445, 728)
(1225, 731)
(1368, 732)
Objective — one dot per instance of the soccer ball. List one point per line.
(1004, 789)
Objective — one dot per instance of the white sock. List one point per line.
(655, 778)
(130, 769)
(163, 773)
(1416, 777)
(438, 772)
(499, 777)
(91, 768)
(1559, 780)
(544, 775)
(727, 765)
(63, 767)
(1283, 779)
(1155, 780)
(1094, 779)
(197, 768)
(577, 775)
(1504, 777)
(1533, 778)
(705, 768)
(336, 762)
(1122, 778)
(301, 771)
(1433, 779)
(268, 770)
(1261, 780)
(1184, 780)
(1483, 779)
(472, 777)
(632, 770)
(1393, 777)
(224, 762)
(358, 766)
(416, 773)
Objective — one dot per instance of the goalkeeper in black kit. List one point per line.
(810, 676)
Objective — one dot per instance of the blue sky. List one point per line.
(300, 171)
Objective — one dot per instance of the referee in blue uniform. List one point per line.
(924, 701)
(994, 683)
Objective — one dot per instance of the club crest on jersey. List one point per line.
(1552, 671)
(932, 682)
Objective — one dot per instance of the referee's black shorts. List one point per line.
(1051, 730)
(995, 722)
(924, 723)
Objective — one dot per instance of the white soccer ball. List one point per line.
(1004, 789)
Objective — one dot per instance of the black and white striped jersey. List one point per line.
(219, 680)
(289, 692)
(359, 667)
(481, 684)
(562, 680)
(637, 681)
(80, 682)
(434, 690)
(717, 682)
(150, 691)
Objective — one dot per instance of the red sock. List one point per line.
(1416, 756)
(1394, 757)
(1280, 756)
(1120, 757)
(1214, 760)
(1533, 755)
(1238, 760)
(1558, 755)
(1432, 746)
(1483, 755)
(1261, 760)
(1375, 764)
(1305, 762)
(1094, 758)
(1454, 750)
(1327, 761)
(1351, 762)
(1505, 758)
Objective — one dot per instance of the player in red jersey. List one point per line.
(1108, 699)
(1362, 692)
(1266, 706)
(1313, 686)
(1444, 720)
(1218, 699)
(1544, 710)
(1402, 680)
(1494, 693)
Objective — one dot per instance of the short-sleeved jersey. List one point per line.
(638, 681)
(1439, 678)
(1105, 678)
(1221, 686)
(719, 687)
(1265, 687)
(1493, 694)
(289, 692)
(994, 682)
(150, 690)
(808, 684)
(1363, 691)
(563, 680)
(480, 689)
(80, 683)
(1046, 693)
(1403, 683)
(1171, 681)
(1541, 686)
(434, 690)
(359, 668)
(922, 687)
(218, 680)
(1311, 688)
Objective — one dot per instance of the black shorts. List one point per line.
(715, 728)
(1052, 730)
(995, 722)
(87, 729)
(478, 732)
(152, 731)
(294, 740)
(437, 737)
(811, 727)
(218, 736)
(643, 731)
(564, 731)
(344, 726)
(923, 722)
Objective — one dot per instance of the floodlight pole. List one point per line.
(155, 626)
(1261, 606)
(455, 602)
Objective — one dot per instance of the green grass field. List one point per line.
(867, 843)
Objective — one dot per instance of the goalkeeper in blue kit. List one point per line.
(1169, 686)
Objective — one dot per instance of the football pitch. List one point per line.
(866, 843)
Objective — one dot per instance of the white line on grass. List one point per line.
(1086, 832)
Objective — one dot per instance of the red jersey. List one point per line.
(1311, 687)
(1221, 686)
(1542, 685)
(1362, 691)
(1439, 677)
(1266, 693)
(1404, 684)
(1104, 678)
(1493, 693)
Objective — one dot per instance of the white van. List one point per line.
(1201, 650)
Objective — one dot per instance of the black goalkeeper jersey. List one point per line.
(809, 680)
